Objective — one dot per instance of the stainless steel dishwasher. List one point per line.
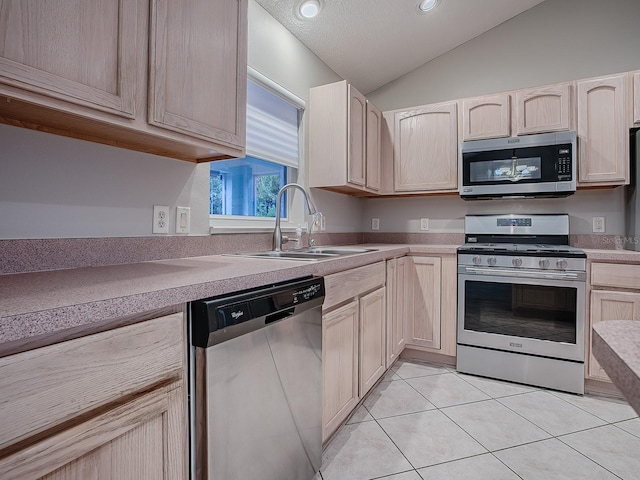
(256, 383)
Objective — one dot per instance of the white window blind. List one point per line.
(272, 126)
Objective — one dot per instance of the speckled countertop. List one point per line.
(616, 345)
(36, 307)
(43, 307)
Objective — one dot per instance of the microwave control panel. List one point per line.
(564, 164)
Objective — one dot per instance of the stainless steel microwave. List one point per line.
(542, 165)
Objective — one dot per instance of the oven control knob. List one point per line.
(491, 261)
(544, 263)
(477, 259)
(516, 262)
(562, 264)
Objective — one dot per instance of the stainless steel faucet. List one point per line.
(311, 207)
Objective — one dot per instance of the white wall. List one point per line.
(57, 187)
(277, 54)
(557, 40)
(446, 213)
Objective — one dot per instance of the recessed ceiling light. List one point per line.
(427, 5)
(309, 8)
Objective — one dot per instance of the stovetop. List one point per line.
(524, 249)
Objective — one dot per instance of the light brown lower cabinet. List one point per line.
(353, 340)
(615, 295)
(610, 305)
(430, 293)
(372, 339)
(109, 405)
(396, 307)
(340, 366)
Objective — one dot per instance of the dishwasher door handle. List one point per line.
(274, 317)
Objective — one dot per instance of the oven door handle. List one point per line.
(497, 272)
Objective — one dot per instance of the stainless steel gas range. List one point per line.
(521, 301)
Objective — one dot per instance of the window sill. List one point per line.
(221, 225)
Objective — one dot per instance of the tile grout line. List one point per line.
(620, 428)
(585, 456)
(391, 440)
(552, 392)
(490, 397)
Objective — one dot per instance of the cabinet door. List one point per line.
(81, 52)
(426, 148)
(636, 97)
(374, 146)
(372, 339)
(423, 287)
(396, 306)
(356, 160)
(198, 68)
(603, 133)
(544, 109)
(144, 438)
(486, 117)
(339, 366)
(610, 306)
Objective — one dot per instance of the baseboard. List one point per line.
(410, 353)
(601, 388)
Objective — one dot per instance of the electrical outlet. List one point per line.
(160, 219)
(375, 224)
(323, 223)
(183, 219)
(598, 225)
(424, 224)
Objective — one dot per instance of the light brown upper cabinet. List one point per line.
(486, 117)
(197, 84)
(374, 147)
(344, 140)
(603, 135)
(426, 149)
(81, 53)
(543, 109)
(147, 76)
(535, 110)
(635, 78)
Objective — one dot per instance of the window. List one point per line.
(247, 187)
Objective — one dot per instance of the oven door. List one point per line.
(537, 313)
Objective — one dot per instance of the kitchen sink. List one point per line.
(308, 254)
(338, 250)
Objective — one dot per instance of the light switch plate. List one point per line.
(183, 219)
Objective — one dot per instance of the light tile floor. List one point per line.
(427, 422)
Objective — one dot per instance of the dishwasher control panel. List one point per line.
(221, 318)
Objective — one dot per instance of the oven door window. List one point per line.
(518, 310)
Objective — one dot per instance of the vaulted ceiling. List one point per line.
(372, 42)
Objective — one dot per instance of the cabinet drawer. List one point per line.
(615, 275)
(342, 286)
(49, 386)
